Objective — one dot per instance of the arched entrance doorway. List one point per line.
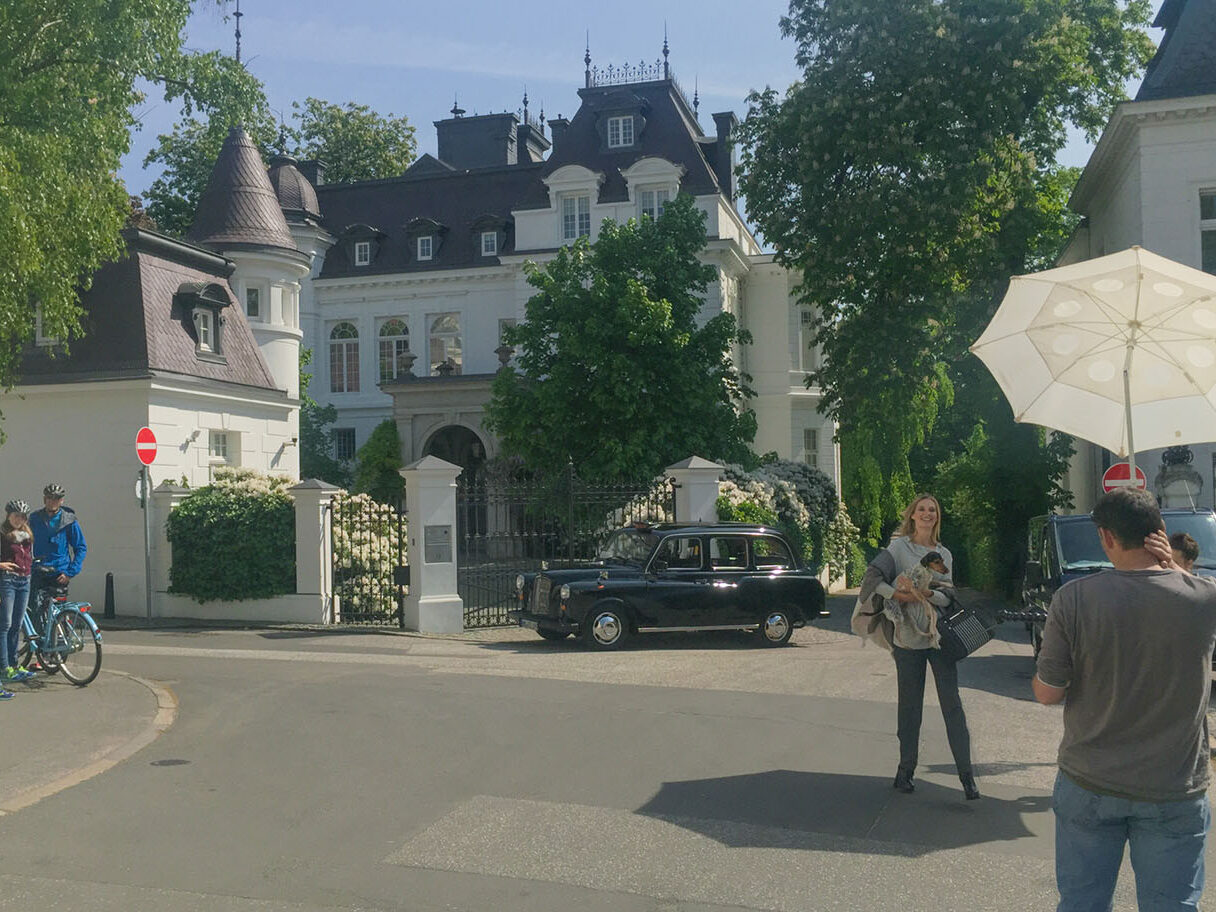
(459, 446)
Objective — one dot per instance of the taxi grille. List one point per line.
(540, 595)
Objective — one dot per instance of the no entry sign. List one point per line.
(145, 446)
(1119, 476)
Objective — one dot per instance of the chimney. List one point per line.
(724, 157)
(557, 129)
(532, 143)
(483, 141)
(313, 171)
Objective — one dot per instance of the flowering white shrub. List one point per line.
(368, 542)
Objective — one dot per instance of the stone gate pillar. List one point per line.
(165, 498)
(432, 604)
(696, 482)
(314, 543)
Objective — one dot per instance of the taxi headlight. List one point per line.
(519, 583)
(564, 592)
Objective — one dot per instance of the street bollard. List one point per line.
(109, 609)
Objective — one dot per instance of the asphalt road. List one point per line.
(309, 770)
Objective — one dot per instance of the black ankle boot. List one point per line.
(903, 781)
(970, 789)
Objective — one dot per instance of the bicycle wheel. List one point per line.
(27, 657)
(82, 660)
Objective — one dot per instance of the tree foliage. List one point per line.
(614, 370)
(68, 72)
(316, 436)
(354, 141)
(378, 465)
(907, 175)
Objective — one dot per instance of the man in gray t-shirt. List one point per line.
(1130, 649)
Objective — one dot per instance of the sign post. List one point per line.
(145, 451)
(1119, 476)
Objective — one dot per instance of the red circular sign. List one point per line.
(1119, 476)
(145, 446)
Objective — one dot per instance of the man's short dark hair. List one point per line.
(1129, 514)
(1185, 545)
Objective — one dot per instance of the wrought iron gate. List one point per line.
(505, 527)
(369, 552)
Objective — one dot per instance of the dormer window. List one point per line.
(620, 132)
(489, 243)
(363, 253)
(653, 202)
(204, 328)
(426, 247)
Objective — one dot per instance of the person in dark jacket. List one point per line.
(58, 538)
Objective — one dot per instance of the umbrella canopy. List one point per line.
(1118, 350)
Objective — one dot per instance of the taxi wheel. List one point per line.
(776, 627)
(554, 635)
(606, 628)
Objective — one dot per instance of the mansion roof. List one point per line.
(1185, 63)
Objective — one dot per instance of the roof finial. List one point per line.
(696, 94)
(666, 71)
(457, 110)
(282, 135)
(237, 15)
(525, 104)
(587, 61)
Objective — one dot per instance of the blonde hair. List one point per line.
(907, 527)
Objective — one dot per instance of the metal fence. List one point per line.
(369, 550)
(508, 526)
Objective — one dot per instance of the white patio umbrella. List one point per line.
(1099, 348)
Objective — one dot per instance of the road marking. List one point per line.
(166, 713)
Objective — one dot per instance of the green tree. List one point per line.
(378, 465)
(316, 438)
(907, 175)
(354, 141)
(614, 370)
(68, 72)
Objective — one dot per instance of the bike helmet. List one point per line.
(53, 490)
(17, 506)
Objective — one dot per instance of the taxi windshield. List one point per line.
(628, 546)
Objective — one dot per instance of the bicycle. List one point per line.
(69, 640)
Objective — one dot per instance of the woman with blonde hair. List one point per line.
(904, 622)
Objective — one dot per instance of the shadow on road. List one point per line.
(791, 809)
(1003, 675)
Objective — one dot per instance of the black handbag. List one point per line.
(962, 630)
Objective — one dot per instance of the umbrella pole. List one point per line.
(1127, 406)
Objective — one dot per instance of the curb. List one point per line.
(166, 714)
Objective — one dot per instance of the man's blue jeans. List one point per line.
(1166, 840)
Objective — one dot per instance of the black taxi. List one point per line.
(675, 577)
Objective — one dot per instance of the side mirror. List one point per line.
(1033, 578)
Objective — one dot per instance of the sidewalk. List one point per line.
(57, 734)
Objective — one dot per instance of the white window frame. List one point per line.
(1207, 229)
(620, 132)
(427, 243)
(39, 337)
(218, 449)
(340, 436)
(389, 349)
(363, 253)
(253, 303)
(349, 347)
(204, 330)
(652, 201)
(445, 339)
(503, 323)
(576, 216)
(808, 355)
(489, 243)
(810, 446)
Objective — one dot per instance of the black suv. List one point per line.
(675, 576)
(1063, 548)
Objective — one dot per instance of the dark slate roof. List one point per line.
(296, 195)
(1185, 63)
(463, 203)
(671, 132)
(239, 206)
(134, 329)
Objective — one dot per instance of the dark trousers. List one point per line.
(910, 674)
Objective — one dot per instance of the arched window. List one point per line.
(394, 342)
(445, 343)
(344, 358)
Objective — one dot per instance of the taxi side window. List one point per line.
(681, 553)
(772, 554)
(728, 553)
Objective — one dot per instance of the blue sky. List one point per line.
(413, 58)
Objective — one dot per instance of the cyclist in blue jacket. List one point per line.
(58, 539)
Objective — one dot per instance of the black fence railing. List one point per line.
(369, 547)
(505, 527)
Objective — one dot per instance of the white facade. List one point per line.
(1143, 185)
